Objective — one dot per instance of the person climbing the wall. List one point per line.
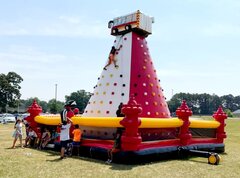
(111, 57)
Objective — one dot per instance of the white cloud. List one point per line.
(29, 54)
(222, 30)
(196, 72)
(32, 63)
(73, 20)
(62, 26)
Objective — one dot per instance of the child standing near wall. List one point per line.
(116, 146)
(77, 135)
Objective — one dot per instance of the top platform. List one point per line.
(137, 22)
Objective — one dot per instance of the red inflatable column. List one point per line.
(34, 111)
(131, 138)
(183, 113)
(220, 116)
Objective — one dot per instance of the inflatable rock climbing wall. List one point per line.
(135, 75)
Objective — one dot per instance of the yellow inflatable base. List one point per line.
(115, 122)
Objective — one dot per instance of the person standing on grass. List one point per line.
(64, 136)
(77, 135)
(66, 114)
(18, 133)
(116, 146)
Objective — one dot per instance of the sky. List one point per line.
(195, 44)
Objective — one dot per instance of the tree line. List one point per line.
(10, 97)
(201, 104)
(52, 106)
(205, 104)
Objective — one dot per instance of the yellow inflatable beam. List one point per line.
(204, 124)
(48, 120)
(160, 123)
(115, 122)
(97, 121)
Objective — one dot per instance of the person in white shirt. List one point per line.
(18, 133)
(64, 135)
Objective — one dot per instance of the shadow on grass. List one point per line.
(16, 147)
(118, 165)
(199, 161)
(126, 166)
(52, 153)
(122, 167)
(129, 166)
(193, 160)
(224, 153)
(54, 160)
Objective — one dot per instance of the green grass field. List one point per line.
(33, 163)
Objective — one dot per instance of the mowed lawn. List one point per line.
(27, 163)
